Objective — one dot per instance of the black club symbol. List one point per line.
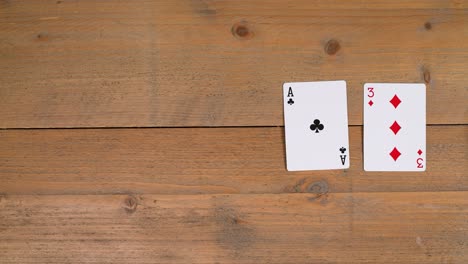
(291, 101)
(316, 126)
(343, 150)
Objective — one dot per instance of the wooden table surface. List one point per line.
(152, 132)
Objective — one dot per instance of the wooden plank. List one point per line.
(219, 63)
(204, 160)
(290, 228)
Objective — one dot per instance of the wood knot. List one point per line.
(42, 36)
(130, 204)
(236, 220)
(320, 191)
(241, 30)
(332, 47)
(428, 25)
(319, 188)
(426, 76)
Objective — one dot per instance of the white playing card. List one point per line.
(316, 125)
(394, 127)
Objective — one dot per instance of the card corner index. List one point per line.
(286, 84)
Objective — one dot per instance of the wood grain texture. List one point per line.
(205, 160)
(290, 228)
(219, 63)
(221, 195)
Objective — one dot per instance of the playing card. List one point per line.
(394, 127)
(316, 125)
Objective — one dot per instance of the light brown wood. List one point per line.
(291, 228)
(204, 160)
(221, 195)
(219, 63)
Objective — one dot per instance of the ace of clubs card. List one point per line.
(316, 125)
